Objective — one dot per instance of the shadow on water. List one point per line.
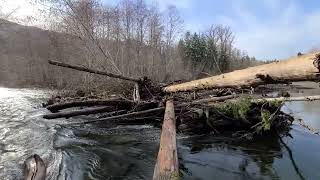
(212, 157)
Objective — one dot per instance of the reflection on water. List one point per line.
(129, 152)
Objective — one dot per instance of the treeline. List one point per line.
(213, 52)
(132, 38)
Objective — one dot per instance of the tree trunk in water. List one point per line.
(299, 68)
(167, 166)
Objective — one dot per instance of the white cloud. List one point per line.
(22, 11)
(20, 7)
(282, 33)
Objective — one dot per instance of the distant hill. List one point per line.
(24, 52)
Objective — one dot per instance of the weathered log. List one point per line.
(80, 68)
(167, 166)
(124, 104)
(301, 68)
(283, 99)
(288, 99)
(78, 112)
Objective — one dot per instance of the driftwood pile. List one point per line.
(196, 103)
(218, 104)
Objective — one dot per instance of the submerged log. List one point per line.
(79, 112)
(167, 166)
(80, 68)
(124, 104)
(301, 68)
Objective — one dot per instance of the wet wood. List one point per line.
(167, 166)
(301, 68)
(124, 104)
(81, 68)
(69, 114)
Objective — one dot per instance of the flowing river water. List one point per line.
(129, 152)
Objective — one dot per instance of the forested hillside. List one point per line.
(132, 38)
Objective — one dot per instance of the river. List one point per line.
(129, 152)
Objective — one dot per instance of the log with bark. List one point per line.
(299, 68)
(167, 166)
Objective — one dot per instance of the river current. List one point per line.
(129, 152)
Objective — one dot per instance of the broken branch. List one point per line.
(79, 68)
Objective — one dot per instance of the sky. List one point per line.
(266, 29)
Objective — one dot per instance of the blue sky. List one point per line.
(266, 29)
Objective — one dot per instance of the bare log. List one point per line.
(301, 68)
(288, 99)
(283, 99)
(79, 68)
(124, 104)
(167, 166)
(79, 112)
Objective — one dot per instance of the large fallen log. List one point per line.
(301, 68)
(167, 166)
(79, 112)
(124, 104)
(80, 68)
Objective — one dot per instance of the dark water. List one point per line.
(129, 152)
